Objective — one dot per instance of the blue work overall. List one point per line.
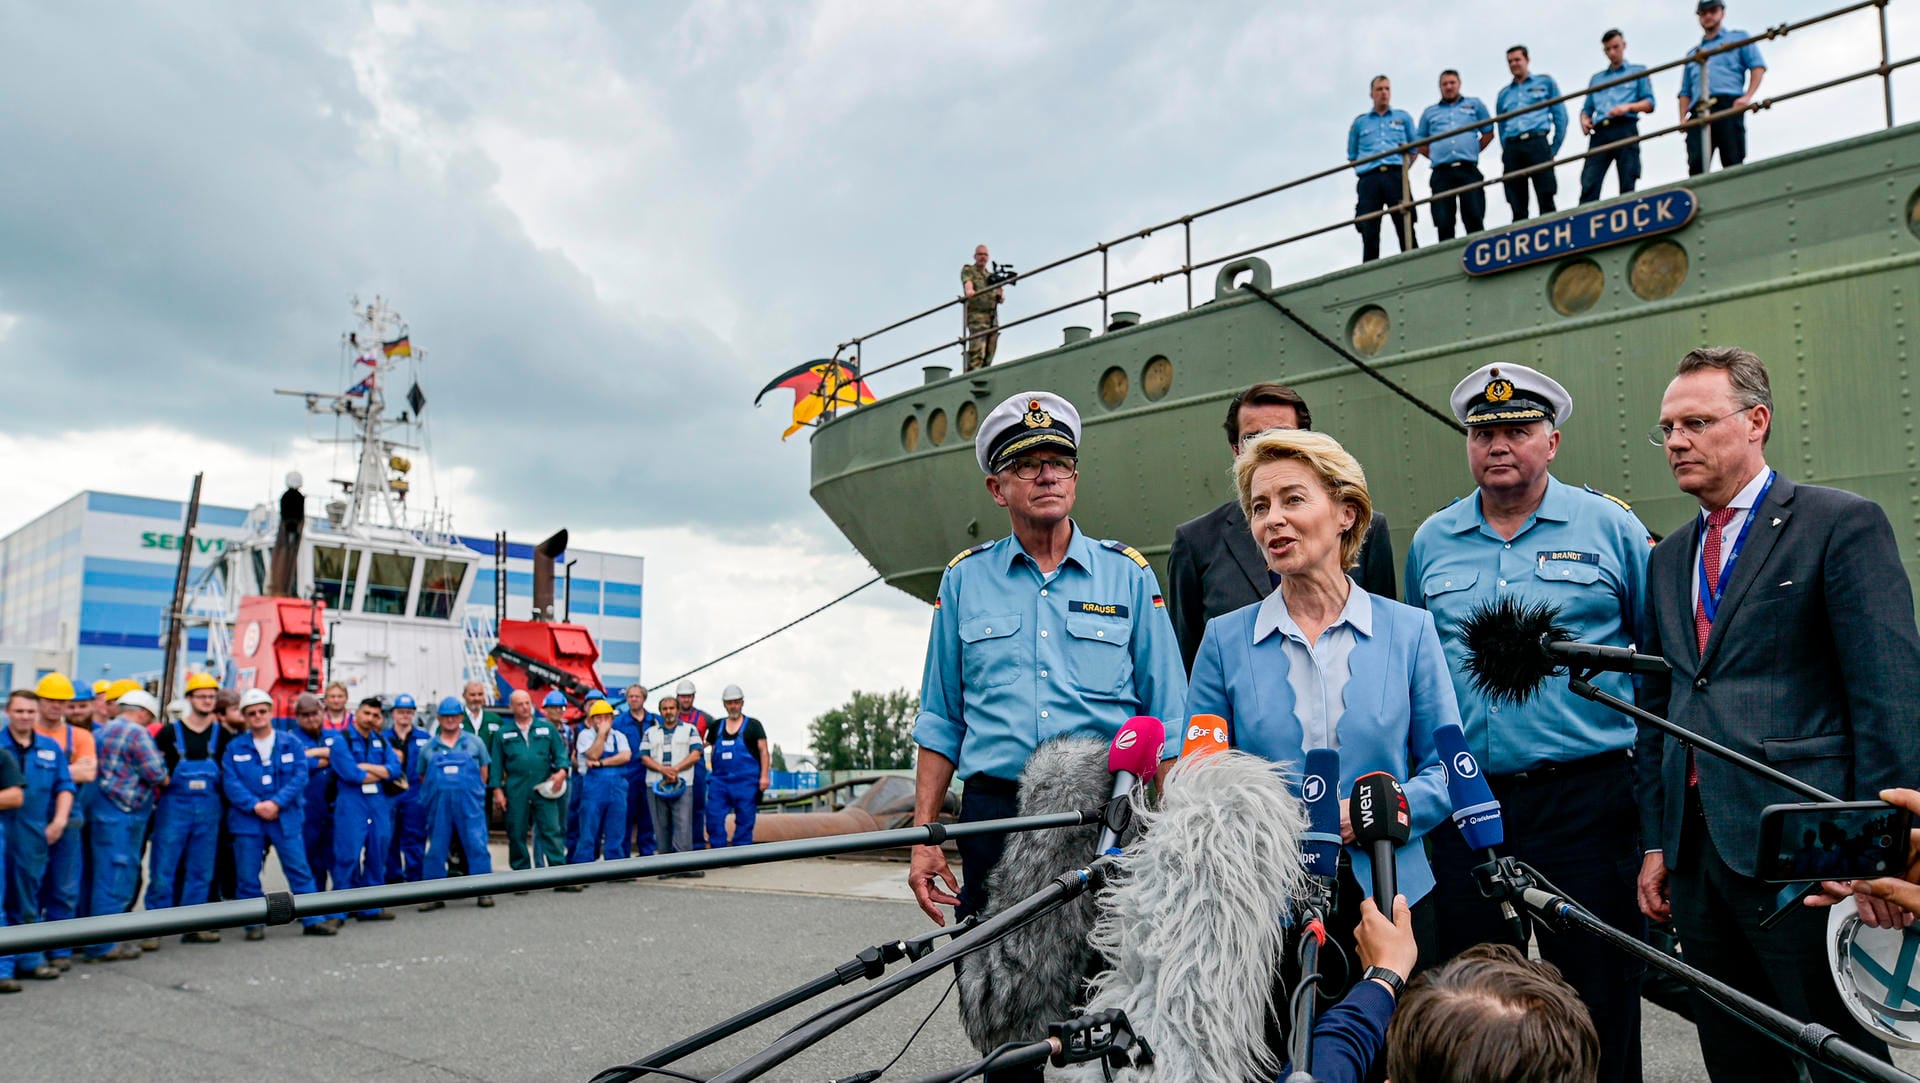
(282, 779)
(603, 810)
(62, 890)
(27, 851)
(456, 804)
(186, 828)
(408, 851)
(362, 813)
(735, 786)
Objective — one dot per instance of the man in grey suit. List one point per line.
(1788, 621)
(1216, 568)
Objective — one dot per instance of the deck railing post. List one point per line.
(1886, 58)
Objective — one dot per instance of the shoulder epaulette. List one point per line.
(965, 553)
(1125, 550)
(1624, 506)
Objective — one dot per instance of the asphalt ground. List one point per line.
(543, 986)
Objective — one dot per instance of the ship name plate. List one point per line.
(1580, 231)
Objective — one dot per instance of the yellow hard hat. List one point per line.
(120, 688)
(599, 707)
(197, 681)
(100, 686)
(54, 686)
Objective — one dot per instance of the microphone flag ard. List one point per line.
(1476, 812)
(1377, 809)
(1320, 790)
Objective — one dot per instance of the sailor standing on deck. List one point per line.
(264, 776)
(452, 772)
(1038, 635)
(1733, 80)
(409, 846)
(1380, 182)
(1532, 138)
(1456, 159)
(1612, 115)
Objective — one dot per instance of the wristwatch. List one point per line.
(1394, 981)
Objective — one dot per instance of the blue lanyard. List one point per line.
(1710, 599)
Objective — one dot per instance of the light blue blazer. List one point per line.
(1398, 693)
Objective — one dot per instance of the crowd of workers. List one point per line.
(99, 785)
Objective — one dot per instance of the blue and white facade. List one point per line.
(84, 588)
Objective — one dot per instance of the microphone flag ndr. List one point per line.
(1377, 809)
(1133, 755)
(1320, 845)
(1476, 812)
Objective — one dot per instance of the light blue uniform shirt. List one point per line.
(1318, 672)
(1580, 551)
(1373, 132)
(1016, 657)
(1534, 88)
(1726, 72)
(1599, 102)
(1445, 117)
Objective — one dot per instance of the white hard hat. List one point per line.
(732, 691)
(252, 696)
(552, 790)
(684, 688)
(143, 700)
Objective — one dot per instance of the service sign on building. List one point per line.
(1579, 231)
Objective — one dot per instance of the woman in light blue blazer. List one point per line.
(1320, 663)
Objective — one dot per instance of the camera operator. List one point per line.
(977, 283)
(1902, 891)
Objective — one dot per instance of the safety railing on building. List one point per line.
(854, 350)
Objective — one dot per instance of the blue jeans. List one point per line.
(115, 849)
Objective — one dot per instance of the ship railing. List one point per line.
(854, 349)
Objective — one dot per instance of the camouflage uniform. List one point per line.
(983, 314)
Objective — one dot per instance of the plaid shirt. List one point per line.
(131, 767)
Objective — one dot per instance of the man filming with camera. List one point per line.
(980, 284)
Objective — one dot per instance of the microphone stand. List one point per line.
(1313, 936)
(1103, 1036)
(1813, 1042)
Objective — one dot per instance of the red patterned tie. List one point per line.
(1702, 625)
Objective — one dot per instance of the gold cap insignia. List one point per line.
(1035, 417)
(1499, 390)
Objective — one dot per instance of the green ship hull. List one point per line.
(1811, 260)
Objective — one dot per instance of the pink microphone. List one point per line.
(1134, 755)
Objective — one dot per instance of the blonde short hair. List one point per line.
(1338, 471)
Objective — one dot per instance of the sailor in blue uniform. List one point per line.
(1381, 180)
(601, 755)
(409, 808)
(1532, 138)
(34, 827)
(1041, 634)
(1733, 80)
(741, 771)
(1612, 115)
(364, 766)
(451, 772)
(636, 836)
(186, 818)
(264, 777)
(1456, 159)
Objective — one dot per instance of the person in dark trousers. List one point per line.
(1532, 137)
(1456, 159)
(1611, 118)
(1733, 80)
(1380, 181)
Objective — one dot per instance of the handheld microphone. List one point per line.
(1134, 755)
(1206, 734)
(1476, 812)
(1512, 647)
(1320, 845)
(1377, 808)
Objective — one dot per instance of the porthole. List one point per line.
(1113, 387)
(968, 418)
(1576, 286)
(1658, 270)
(910, 434)
(937, 427)
(1367, 333)
(1157, 378)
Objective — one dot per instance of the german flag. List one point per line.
(815, 386)
(399, 347)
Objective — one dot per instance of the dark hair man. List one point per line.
(1532, 138)
(1612, 115)
(1491, 1016)
(1381, 177)
(1215, 567)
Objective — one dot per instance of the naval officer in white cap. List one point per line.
(1559, 764)
(1043, 633)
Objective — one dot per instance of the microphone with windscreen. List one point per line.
(1512, 647)
(1476, 812)
(1133, 755)
(1206, 734)
(1377, 809)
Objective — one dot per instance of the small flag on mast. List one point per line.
(816, 385)
(399, 347)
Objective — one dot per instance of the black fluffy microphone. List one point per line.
(1512, 647)
(1377, 809)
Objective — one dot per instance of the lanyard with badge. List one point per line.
(1710, 599)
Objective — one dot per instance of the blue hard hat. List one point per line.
(595, 693)
(82, 692)
(451, 706)
(555, 698)
(667, 791)
(404, 702)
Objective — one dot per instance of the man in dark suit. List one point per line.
(1788, 621)
(1216, 568)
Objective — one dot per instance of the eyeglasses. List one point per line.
(1027, 469)
(1694, 426)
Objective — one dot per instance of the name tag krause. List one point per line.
(1103, 609)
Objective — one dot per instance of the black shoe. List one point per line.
(325, 928)
(571, 889)
(8, 985)
(62, 964)
(334, 924)
(41, 973)
(209, 936)
(432, 906)
(256, 932)
(377, 915)
(486, 901)
(121, 954)
(149, 945)
(519, 893)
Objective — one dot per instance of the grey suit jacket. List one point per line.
(1215, 568)
(1812, 667)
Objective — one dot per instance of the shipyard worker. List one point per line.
(672, 748)
(264, 777)
(81, 709)
(34, 827)
(1787, 619)
(321, 787)
(1561, 765)
(742, 771)
(452, 773)
(983, 310)
(1372, 146)
(702, 724)
(13, 794)
(474, 717)
(1611, 116)
(1733, 80)
(63, 889)
(1216, 567)
(1320, 663)
(1042, 634)
(553, 707)
(186, 819)
(527, 754)
(408, 851)
(99, 701)
(334, 714)
(1456, 159)
(632, 720)
(365, 771)
(601, 755)
(1532, 138)
(132, 771)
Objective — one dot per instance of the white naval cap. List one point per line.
(1507, 394)
(1026, 422)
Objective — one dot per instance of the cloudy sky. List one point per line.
(609, 224)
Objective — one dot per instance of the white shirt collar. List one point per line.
(1273, 616)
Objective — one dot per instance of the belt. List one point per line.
(1378, 169)
(1523, 137)
(1457, 165)
(1549, 772)
(1610, 121)
(993, 787)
